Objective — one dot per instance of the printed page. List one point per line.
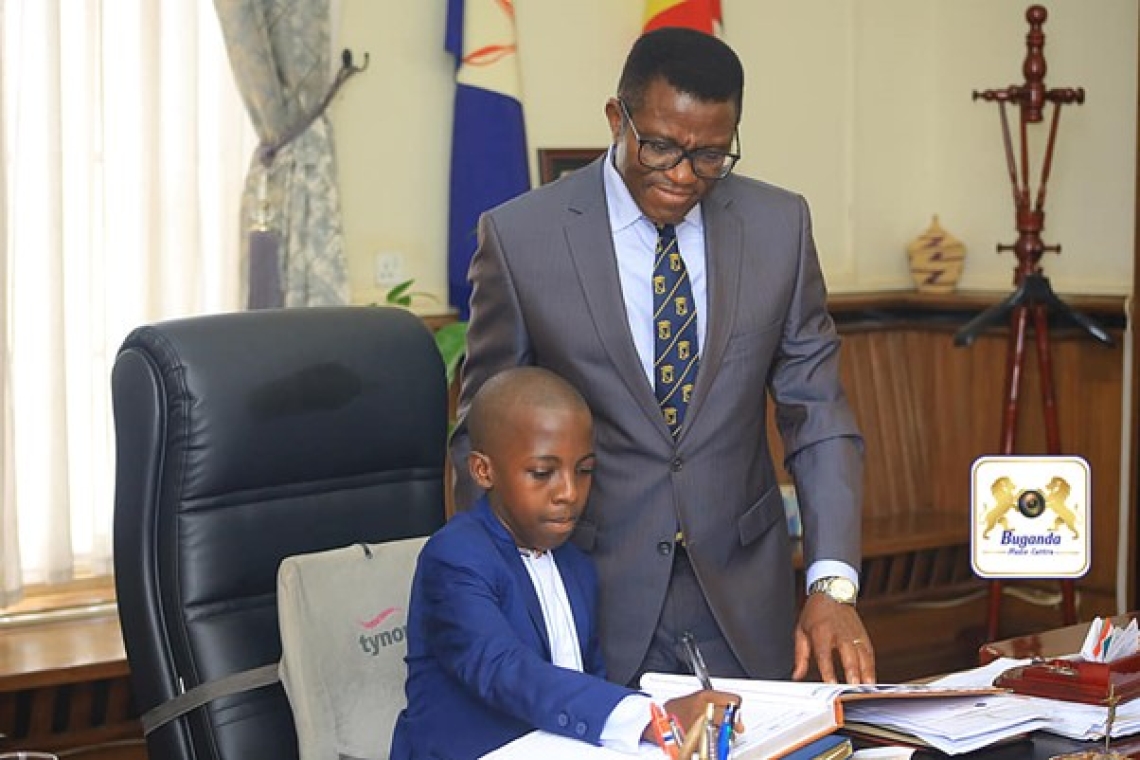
(952, 725)
(776, 718)
(1070, 719)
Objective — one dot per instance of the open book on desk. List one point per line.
(775, 724)
(782, 716)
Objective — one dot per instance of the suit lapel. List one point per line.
(724, 254)
(591, 245)
(510, 555)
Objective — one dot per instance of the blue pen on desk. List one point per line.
(724, 740)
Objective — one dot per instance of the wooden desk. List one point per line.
(1052, 643)
(65, 687)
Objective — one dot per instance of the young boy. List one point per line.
(502, 635)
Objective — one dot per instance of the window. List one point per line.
(125, 146)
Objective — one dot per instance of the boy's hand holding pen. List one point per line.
(681, 713)
(693, 713)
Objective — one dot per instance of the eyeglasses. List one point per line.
(663, 155)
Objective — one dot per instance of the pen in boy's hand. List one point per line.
(724, 740)
(663, 731)
(700, 670)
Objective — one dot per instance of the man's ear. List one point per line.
(614, 117)
(479, 465)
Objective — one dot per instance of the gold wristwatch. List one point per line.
(837, 587)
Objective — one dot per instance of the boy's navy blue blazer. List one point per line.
(479, 663)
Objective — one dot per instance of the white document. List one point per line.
(539, 744)
(955, 725)
(1073, 720)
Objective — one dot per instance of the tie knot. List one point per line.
(666, 231)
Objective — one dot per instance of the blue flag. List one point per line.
(488, 142)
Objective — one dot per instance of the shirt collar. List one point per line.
(499, 531)
(623, 210)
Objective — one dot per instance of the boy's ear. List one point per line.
(479, 465)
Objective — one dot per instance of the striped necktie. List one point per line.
(675, 330)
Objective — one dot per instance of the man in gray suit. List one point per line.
(686, 522)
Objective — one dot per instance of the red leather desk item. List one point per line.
(1093, 683)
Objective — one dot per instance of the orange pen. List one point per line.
(663, 731)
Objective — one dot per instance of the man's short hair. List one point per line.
(692, 62)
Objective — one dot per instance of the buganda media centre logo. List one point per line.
(1031, 517)
(388, 628)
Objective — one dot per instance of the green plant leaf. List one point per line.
(398, 295)
(451, 340)
(402, 294)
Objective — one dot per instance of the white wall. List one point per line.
(862, 105)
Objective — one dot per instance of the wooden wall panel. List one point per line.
(928, 409)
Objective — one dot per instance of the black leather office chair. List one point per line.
(242, 439)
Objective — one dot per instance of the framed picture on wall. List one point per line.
(554, 162)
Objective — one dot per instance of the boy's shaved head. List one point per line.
(512, 390)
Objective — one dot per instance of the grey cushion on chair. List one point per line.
(344, 618)
(242, 439)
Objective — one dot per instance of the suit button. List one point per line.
(677, 464)
(563, 720)
(664, 548)
(580, 729)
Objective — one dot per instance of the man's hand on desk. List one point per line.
(827, 628)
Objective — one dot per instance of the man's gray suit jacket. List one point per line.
(546, 292)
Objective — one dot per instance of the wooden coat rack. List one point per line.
(1033, 296)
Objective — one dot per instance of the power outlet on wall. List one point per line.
(388, 269)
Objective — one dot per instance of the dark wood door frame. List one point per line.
(1134, 438)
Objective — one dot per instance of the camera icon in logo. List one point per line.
(1031, 503)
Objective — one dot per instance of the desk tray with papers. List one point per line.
(1076, 680)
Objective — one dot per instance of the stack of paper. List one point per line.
(953, 726)
(1071, 719)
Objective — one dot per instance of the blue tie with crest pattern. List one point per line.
(675, 330)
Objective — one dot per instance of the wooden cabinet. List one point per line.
(65, 687)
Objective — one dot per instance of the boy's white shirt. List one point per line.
(629, 717)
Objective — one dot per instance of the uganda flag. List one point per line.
(703, 15)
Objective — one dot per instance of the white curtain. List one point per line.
(124, 150)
